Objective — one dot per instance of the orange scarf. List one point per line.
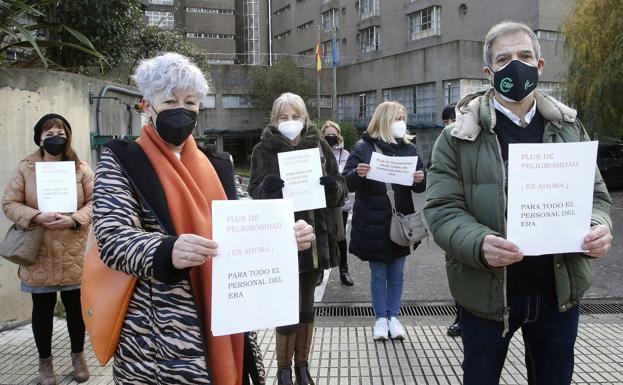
(190, 186)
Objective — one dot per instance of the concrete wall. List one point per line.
(27, 95)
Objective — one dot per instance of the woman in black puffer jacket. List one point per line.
(369, 237)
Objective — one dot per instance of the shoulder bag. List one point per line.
(21, 245)
(105, 295)
(105, 292)
(405, 230)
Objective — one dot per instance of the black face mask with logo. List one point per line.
(516, 80)
(54, 145)
(175, 125)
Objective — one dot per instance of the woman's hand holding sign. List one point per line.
(362, 169)
(418, 176)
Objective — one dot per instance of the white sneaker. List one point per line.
(380, 329)
(395, 329)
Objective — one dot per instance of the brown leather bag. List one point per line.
(105, 295)
(21, 245)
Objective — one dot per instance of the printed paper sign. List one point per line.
(392, 169)
(301, 171)
(56, 187)
(255, 280)
(550, 196)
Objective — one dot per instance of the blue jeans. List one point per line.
(386, 286)
(549, 337)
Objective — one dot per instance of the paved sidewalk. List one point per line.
(347, 355)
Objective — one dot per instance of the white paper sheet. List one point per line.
(56, 187)
(550, 196)
(392, 169)
(255, 275)
(301, 171)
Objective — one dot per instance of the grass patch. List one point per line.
(243, 170)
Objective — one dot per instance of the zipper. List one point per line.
(506, 310)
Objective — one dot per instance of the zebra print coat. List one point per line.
(161, 338)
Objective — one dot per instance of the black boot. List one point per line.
(454, 330)
(303, 377)
(345, 278)
(284, 376)
(320, 278)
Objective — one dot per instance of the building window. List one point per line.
(425, 103)
(549, 35)
(251, 31)
(330, 20)
(304, 26)
(213, 11)
(282, 35)
(325, 101)
(456, 89)
(402, 95)
(237, 101)
(160, 19)
(463, 10)
(208, 101)
(469, 86)
(327, 52)
(209, 35)
(368, 8)
(300, 1)
(282, 10)
(425, 23)
(162, 2)
(221, 61)
(451, 91)
(356, 108)
(367, 104)
(369, 39)
(307, 52)
(346, 108)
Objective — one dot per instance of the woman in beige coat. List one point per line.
(58, 267)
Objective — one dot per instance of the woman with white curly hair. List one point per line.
(152, 219)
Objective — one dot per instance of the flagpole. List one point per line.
(318, 74)
(318, 95)
(334, 91)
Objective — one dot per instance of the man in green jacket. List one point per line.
(498, 289)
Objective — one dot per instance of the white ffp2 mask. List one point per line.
(399, 128)
(290, 128)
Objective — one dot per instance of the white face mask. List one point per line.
(399, 128)
(290, 128)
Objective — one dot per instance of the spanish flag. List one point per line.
(318, 58)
